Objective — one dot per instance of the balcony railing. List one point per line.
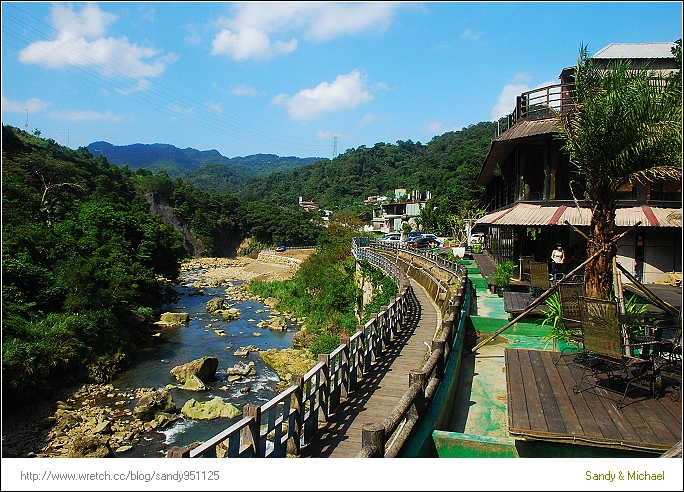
(541, 103)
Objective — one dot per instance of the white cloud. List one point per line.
(371, 118)
(34, 105)
(436, 127)
(248, 34)
(346, 92)
(87, 115)
(81, 42)
(243, 90)
(249, 43)
(178, 110)
(469, 34)
(216, 107)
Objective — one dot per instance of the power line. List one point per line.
(157, 96)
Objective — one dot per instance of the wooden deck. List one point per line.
(667, 293)
(382, 388)
(542, 405)
(517, 302)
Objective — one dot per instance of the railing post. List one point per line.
(373, 438)
(178, 452)
(375, 337)
(295, 441)
(346, 367)
(419, 376)
(324, 388)
(439, 368)
(252, 433)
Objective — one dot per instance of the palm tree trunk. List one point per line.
(598, 275)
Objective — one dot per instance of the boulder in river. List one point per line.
(216, 304)
(149, 405)
(204, 368)
(175, 318)
(193, 383)
(241, 369)
(209, 410)
(278, 324)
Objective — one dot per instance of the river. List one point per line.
(180, 345)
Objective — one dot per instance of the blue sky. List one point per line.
(288, 77)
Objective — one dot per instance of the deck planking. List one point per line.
(382, 387)
(543, 405)
(517, 302)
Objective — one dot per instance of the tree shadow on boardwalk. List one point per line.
(335, 434)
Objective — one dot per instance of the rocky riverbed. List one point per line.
(99, 420)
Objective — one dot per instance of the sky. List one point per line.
(305, 79)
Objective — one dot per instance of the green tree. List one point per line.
(625, 127)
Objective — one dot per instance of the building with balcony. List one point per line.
(528, 180)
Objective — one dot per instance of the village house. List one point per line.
(528, 181)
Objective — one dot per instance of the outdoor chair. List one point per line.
(570, 313)
(670, 358)
(525, 262)
(539, 278)
(604, 340)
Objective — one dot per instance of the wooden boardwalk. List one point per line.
(542, 404)
(382, 388)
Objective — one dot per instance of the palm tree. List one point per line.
(625, 127)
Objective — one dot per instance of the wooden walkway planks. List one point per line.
(542, 404)
(517, 302)
(382, 388)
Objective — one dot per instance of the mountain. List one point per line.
(183, 162)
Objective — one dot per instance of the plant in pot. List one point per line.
(461, 224)
(502, 276)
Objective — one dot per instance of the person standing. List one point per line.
(558, 259)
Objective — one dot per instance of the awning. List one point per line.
(525, 214)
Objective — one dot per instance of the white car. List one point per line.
(394, 238)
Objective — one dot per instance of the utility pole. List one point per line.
(67, 130)
(335, 137)
(26, 126)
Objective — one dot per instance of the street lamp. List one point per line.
(67, 130)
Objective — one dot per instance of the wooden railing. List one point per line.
(289, 420)
(388, 438)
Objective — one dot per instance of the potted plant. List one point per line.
(461, 224)
(502, 276)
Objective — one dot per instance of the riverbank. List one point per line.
(30, 432)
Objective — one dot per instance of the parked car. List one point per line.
(433, 239)
(280, 248)
(419, 242)
(392, 237)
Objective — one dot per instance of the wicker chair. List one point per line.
(603, 340)
(569, 305)
(525, 262)
(539, 278)
(670, 358)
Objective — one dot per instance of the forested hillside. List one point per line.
(449, 163)
(82, 256)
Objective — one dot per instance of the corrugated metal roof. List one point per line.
(525, 214)
(529, 128)
(636, 50)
